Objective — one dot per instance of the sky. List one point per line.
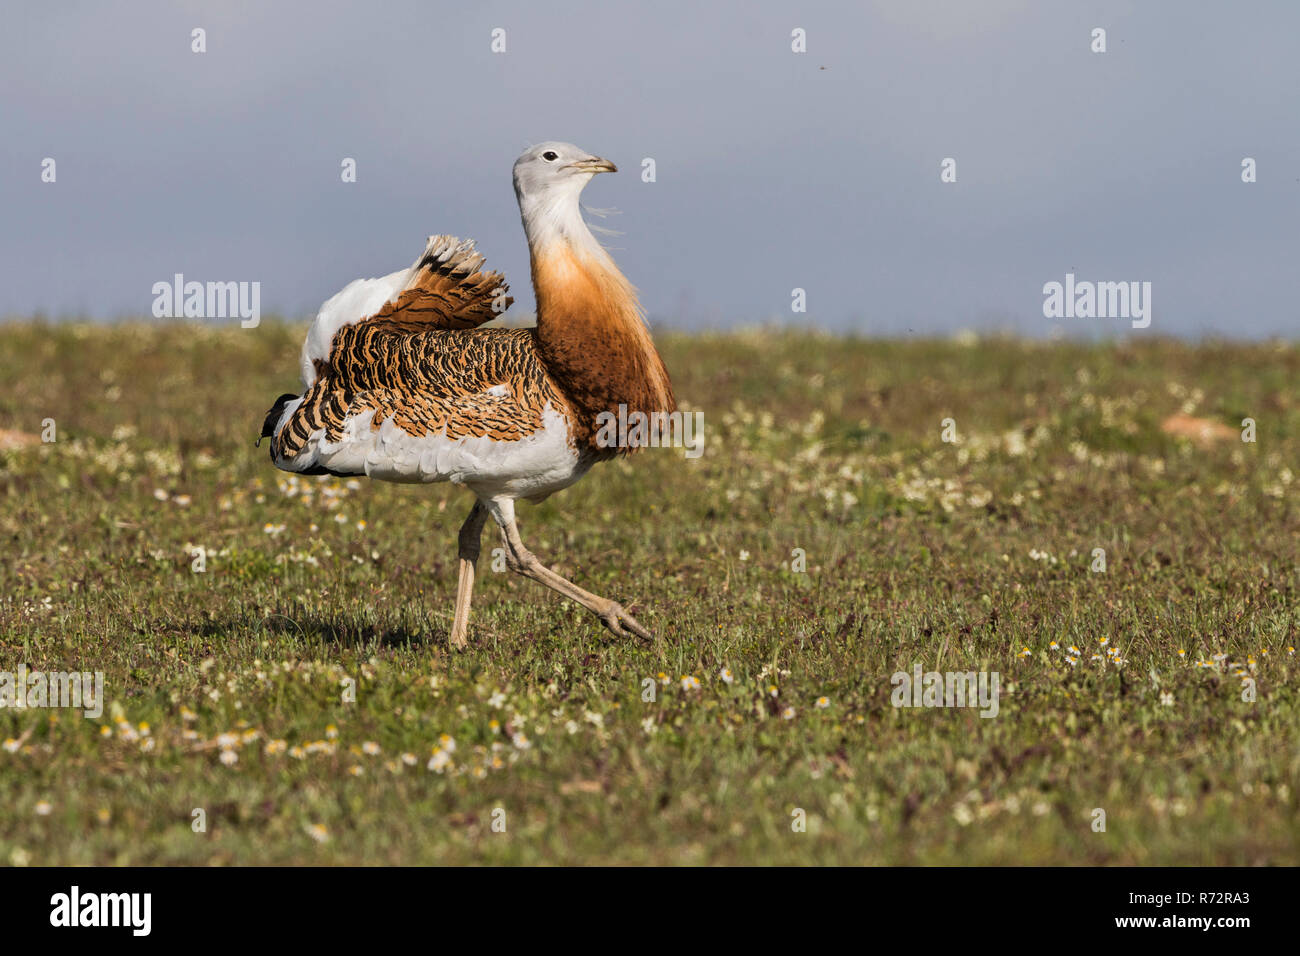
(774, 170)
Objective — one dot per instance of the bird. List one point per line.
(402, 383)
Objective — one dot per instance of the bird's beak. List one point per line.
(594, 165)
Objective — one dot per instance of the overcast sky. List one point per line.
(775, 170)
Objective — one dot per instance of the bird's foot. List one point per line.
(620, 622)
(459, 638)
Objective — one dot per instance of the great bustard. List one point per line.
(403, 385)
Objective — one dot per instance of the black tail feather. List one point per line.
(273, 416)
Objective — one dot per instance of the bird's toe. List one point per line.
(620, 623)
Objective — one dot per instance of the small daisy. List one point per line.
(43, 808)
(726, 675)
(690, 683)
(440, 761)
(1167, 699)
(229, 758)
(318, 832)
(787, 714)
(823, 703)
(370, 748)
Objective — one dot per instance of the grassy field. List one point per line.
(228, 690)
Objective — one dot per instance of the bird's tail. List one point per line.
(274, 415)
(277, 419)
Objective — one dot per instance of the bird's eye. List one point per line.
(550, 155)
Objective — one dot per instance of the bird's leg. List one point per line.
(522, 561)
(471, 533)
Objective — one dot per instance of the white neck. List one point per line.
(553, 215)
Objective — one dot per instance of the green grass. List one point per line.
(917, 551)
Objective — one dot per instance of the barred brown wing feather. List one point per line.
(477, 383)
(447, 289)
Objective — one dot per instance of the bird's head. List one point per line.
(550, 173)
(549, 179)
